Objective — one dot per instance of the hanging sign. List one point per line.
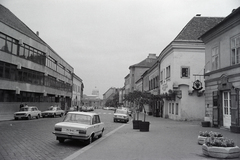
(197, 85)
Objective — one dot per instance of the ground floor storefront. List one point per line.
(222, 101)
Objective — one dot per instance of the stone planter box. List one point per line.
(144, 126)
(201, 140)
(136, 124)
(221, 152)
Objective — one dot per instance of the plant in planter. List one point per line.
(203, 135)
(220, 147)
(134, 99)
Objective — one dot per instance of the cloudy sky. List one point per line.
(100, 39)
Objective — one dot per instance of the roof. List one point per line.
(235, 12)
(148, 62)
(85, 113)
(8, 18)
(197, 26)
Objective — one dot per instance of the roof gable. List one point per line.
(197, 26)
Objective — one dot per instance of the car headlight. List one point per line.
(58, 129)
(82, 131)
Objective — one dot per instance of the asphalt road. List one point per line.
(33, 139)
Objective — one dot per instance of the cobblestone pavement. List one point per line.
(33, 139)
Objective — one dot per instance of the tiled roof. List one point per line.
(8, 18)
(197, 26)
(148, 62)
(235, 12)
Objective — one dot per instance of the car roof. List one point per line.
(84, 113)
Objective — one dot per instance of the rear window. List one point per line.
(120, 111)
(77, 118)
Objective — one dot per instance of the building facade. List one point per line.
(222, 73)
(181, 71)
(31, 71)
(77, 91)
(138, 69)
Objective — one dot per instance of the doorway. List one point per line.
(226, 104)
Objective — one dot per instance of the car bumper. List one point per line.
(20, 116)
(70, 136)
(47, 115)
(120, 120)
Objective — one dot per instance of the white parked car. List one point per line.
(121, 115)
(83, 126)
(28, 112)
(53, 111)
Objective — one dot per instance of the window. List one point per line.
(185, 72)
(169, 107)
(168, 72)
(215, 58)
(176, 112)
(235, 50)
(161, 76)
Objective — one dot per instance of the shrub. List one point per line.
(219, 142)
(210, 134)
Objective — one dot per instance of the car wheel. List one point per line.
(16, 118)
(38, 116)
(43, 116)
(61, 140)
(101, 134)
(29, 117)
(90, 139)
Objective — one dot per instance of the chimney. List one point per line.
(37, 33)
(198, 15)
(152, 56)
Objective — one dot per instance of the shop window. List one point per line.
(176, 110)
(172, 108)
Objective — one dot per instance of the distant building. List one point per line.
(138, 69)
(92, 100)
(108, 95)
(77, 91)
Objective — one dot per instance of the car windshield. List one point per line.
(25, 109)
(121, 111)
(77, 118)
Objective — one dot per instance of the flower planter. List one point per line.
(144, 126)
(201, 140)
(221, 152)
(136, 124)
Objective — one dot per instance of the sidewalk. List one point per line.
(6, 117)
(167, 139)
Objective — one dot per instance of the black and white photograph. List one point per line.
(119, 79)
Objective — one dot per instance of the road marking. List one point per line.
(76, 154)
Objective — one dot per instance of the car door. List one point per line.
(96, 123)
(34, 112)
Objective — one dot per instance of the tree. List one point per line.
(139, 98)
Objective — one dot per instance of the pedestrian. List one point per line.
(21, 105)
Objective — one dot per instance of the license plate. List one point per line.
(69, 130)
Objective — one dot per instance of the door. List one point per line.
(226, 109)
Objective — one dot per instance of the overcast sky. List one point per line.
(100, 39)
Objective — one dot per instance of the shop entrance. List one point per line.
(226, 104)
